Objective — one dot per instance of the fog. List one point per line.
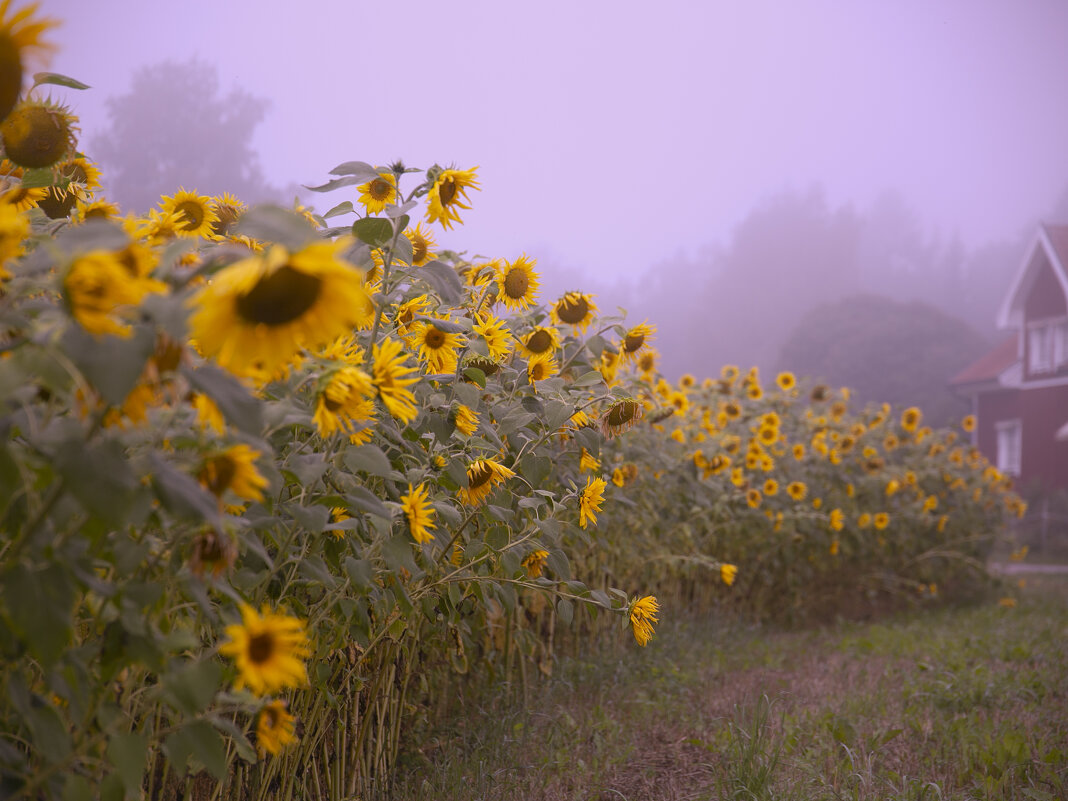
(719, 168)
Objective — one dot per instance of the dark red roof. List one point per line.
(989, 366)
(1058, 237)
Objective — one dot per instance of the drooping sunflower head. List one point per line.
(465, 419)
(76, 180)
(344, 399)
(636, 338)
(482, 476)
(419, 513)
(422, 242)
(620, 416)
(643, 613)
(269, 651)
(20, 44)
(540, 342)
(820, 393)
(590, 500)
(534, 562)
(234, 469)
(275, 728)
(495, 335)
(541, 367)
(576, 309)
(378, 193)
(228, 210)
(517, 283)
(38, 133)
(213, 552)
(447, 195)
(392, 376)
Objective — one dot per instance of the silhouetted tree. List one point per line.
(174, 129)
(900, 353)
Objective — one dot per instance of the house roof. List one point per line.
(989, 366)
(1053, 241)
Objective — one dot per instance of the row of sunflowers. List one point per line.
(270, 480)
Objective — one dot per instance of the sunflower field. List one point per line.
(272, 481)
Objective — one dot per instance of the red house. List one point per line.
(1019, 390)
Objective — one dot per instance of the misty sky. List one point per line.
(612, 135)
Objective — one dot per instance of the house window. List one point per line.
(1010, 446)
(1060, 345)
(1040, 349)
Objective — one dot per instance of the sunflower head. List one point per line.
(228, 210)
(534, 562)
(38, 133)
(636, 338)
(576, 309)
(643, 614)
(517, 283)
(540, 342)
(448, 193)
(275, 728)
(482, 476)
(213, 552)
(620, 416)
(422, 243)
(910, 418)
(234, 469)
(378, 193)
(269, 650)
(19, 43)
(194, 214)
(541, 367)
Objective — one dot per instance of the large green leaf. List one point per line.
(100, 477)
(444, 281)
(128, 753)
(375, 231)
(235, 402)
(197, 739)
(275, 224)
(39, 604)
(112, 365)
(192, 687)
(181, 494)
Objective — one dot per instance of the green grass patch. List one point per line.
(949, 703)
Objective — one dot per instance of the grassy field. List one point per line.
(948, 703)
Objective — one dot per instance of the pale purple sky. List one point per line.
(611, 135)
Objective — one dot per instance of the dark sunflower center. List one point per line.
(646, 362)
(633, 342)
(540, 341)
(281, 297)
(380, 189)
(330, 404)
(678, 403)
(572, 312)
(434, 338)
(487, 366)
(447, 192)
(261, 648)
(621, 413)
(227, 215)
(271, 717)
(419, 249)
(537, 371)
(478, 476)
(516, 283)
(219, 473)
(190, 215)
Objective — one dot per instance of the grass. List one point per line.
(948, 703)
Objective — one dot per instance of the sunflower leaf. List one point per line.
(368, 459)
(234, 401)
(344, 207)
(476, 375)
(275, 224)
(397, 211)
(590, 379)
(181, 494)
(38, 178)
(445, 326)
(444, 280)
(54, 78)
(358, 169)
(375, 231)
(337, 183)
(112, 364)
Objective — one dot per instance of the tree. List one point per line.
(885, 350)
(173, 129)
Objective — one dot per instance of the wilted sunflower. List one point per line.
(194, 214)
(269, 650)
(590, 500)
(228, 210)
(910, 418)
(443, 200)
(100, 292)
(19, 43)
(38, 133)
(378, 193)
(495, 334)
(275, 728)
(419, 512)
(465, 420)
(346, 397)
(437, 348)
(392, 377)
(259, 312)
(234, 469)
(643, 614)
(635, 339)
(534, 562)
(213, 552)
(541, 367)
(517, 283)
(620, 416)
(542, 340)
(422, 242)
(482, 476)
(75, 180)
(576, 309)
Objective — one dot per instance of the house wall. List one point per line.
(1046, 298)
(1043, 411)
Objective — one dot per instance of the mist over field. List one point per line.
(720, 170)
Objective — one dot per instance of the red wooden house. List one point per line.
(1019, 390)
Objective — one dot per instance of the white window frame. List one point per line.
(1040, 348)
(1060, 344)
(1009, 446)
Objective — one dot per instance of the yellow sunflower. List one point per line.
(643, 614)
(588, 462)
(910, 418)
(20, 43)
(405, 316)
(422, 242)
(346, 398)
(194, 214)
(635, 339)
(727, 572)
(590, 500)
(620, 416)
(482, 476)
(881, 521)
(786, 381)
(797, 490)
(98, 209)
(14, 228)
(378, 193)
(495, 334)
(542, 340)
(444, 198)
(275, 728)
(101, 293)
(259, 312)
(465, 420)
(208, 413)
(234, 469)
(576, 309)
(968, 423)
(437, 348)
(646, 362)
(534, 562)
(269, 650)
(38, 133)
(517, 283)
(541, 367)
(837, 520)
(392, 377)
(228, 210)
(419, 512)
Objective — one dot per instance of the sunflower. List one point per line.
(753, 497)
(443, 200)
(23, 199)
(517, 283)
(38, 133)
(618, 477)
(620, 416)
(534, 562)
(609, 365)
(391, 377)
(771, 487)
(542, 340)
(786, 381)
(590, 500)
(19, 37)
(100, 292)
(465, 420)
(968, 423)
(482, 476)
(195, 214)
(576, 309)
(269, 650)
(260, 312)
(345, 397)
(864, 520)
(213, 553)
(727, 572)
(643, 614)
(635, 339)
(378, 193)
(422, 242)
(495, 334)
(910, 418)
(881, 521)
(753, 391)
(228, 210)
(234, 469)
(541, 367)
(437, 348)
(275, 728)
(797, 490)
(836, 520)
(208, 413)
(14, 228)
(419, 512)
(646, 363)
(98, 209)
(405, 317)
(588, 462)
